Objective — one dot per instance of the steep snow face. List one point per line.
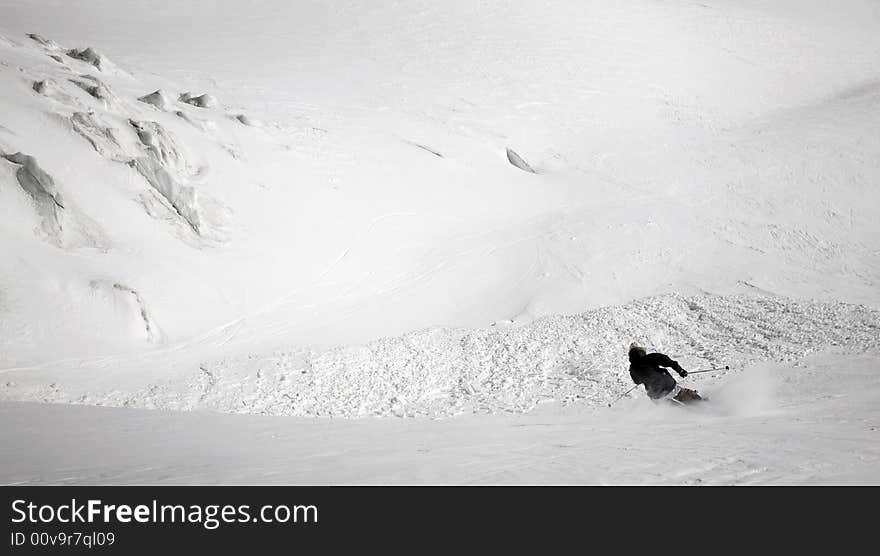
(315, 174)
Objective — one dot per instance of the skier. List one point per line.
(648, 369)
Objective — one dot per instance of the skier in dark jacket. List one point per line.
(648, 369)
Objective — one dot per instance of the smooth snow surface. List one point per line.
(435, 210)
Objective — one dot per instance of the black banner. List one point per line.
(126, 520)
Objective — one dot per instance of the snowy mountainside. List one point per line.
(187, 217)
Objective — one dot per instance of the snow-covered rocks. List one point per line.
(148, 147)
(44, 87)
(201, 101)
(96, 88)
(518, 161)
(244, 119)
(161, 145)
(157, 99)
(59, 221)
(50, 88)
(102, 136)
(43, 41)
(182, 198)
(34, 179)
(165, 169)
(89, 56)
(40, 186)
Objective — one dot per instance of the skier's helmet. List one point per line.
(636, 351)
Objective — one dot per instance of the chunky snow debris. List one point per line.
(89, 56)
(518, 161)
(202, 101)
(41, 188)
(579, 358)
(158, 99)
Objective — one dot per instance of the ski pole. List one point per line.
(622, 395)
(724, 368)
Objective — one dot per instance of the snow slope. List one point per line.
(354, 209)
(811, 422)
(677, 147)
(440, 372)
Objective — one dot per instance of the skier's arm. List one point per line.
(665, 361)
(635, 377)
